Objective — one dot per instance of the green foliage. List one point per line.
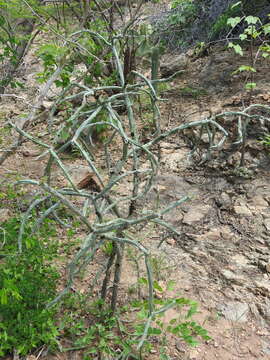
(52, 55)
(90, 326)
(224, 21)
(159, 267)
(176, 3)
(237, 48)
(15, 32)
(193, 92)
(266, 141)
(253, 30)
(9, 196)
(18, 9)
(187, 10)
(27, 283)
(94, 329)
(181, 325)
(107, 248)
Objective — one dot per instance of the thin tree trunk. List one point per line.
(26, 28)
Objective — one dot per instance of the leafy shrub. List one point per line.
(190, 22)
(221, 25)
(92, 327)
(27, 283)
(184, 14)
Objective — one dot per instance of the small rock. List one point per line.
(82, 177)
(170, 241)
(178, 63)
(229, 275)
(31, 357)
(267, 267)
(19, 122)
(4, 215)
(266, 347)
(226, 233)
(195, 214)
(264, 310)
(260, 240)
(267, 224)
(263, 286)
(213, 235)
(47, 104)
(235, 311)
(242, 210)
(255, 312)
(265, 213)
(223, 201)
(173, 160)
(259, 201)
(193, 355)
(240, 260)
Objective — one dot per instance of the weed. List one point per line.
(181, 326)
(159, 266)
(145, 101)
(107, 248)
(243, 172)
(163, 87)
(9, 196)
(193, 92)
(266, 141)
(98, 332)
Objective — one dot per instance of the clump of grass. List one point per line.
(193, 92)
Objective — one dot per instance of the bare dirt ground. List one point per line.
(221, 258)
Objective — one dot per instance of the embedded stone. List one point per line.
(195, 214)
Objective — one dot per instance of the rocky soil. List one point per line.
(222, 257)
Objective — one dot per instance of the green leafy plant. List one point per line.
(186, 13)
(224, 21)
(93, 328)
(27, 283)
(51, 55)
(16, 29)
(181, 325)
(253, 31)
